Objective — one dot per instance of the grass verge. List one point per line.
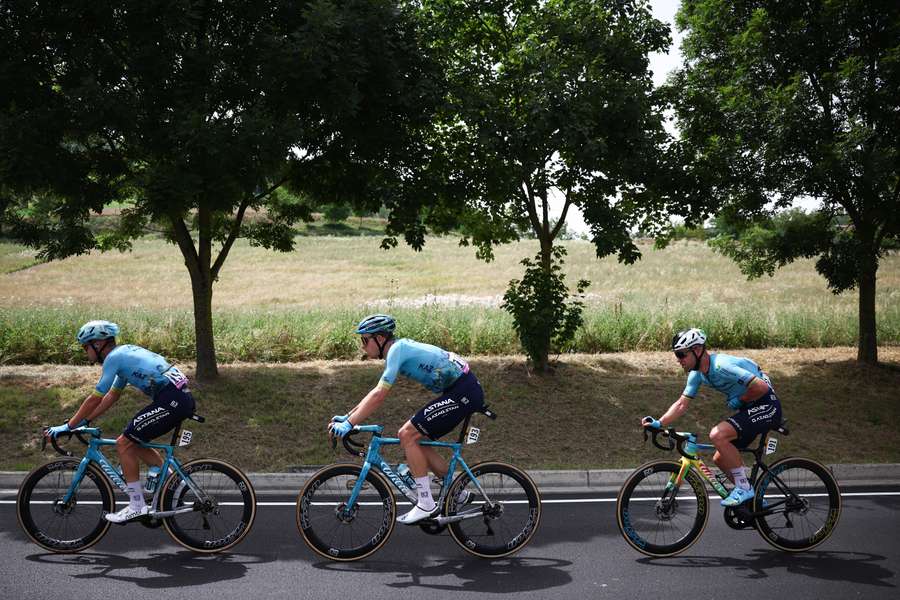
(271, 417)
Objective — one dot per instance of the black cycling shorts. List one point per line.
(441, 415)
(170, 407)
(756, 418)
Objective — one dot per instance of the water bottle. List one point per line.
(406, 476)
(152, 479)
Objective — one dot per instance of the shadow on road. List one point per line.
(178, 569)
(854, 567)
(506, 576)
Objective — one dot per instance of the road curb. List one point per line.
(574, 480)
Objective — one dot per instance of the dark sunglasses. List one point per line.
(679, 354)
(365, 340)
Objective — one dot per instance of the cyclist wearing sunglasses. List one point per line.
(748, 391)
(171, 402)
(441, 372)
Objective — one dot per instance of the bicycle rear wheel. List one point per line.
(59, 527)
(803, 501)
(223, 513)
(509, 510)
(336, 533)
(657, 519)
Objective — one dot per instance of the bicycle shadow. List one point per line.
(853, 567)
(180, 569)
(502, 576)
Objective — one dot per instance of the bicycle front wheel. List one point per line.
(655, 517)
(506, 509)
(64, 527)
(802, 501)
(223, 510)
(335, 532)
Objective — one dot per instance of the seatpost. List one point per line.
(464, 428)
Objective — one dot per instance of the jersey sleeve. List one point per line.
(391, 367)
(693, 385)
(109, 378)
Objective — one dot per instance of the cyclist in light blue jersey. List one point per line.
(171, 403)
(747, 390)
(459, 394)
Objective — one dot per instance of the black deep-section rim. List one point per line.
(473, 535)
(54, 538)
(821, 497)
(190, 529)
(631, 508)
(325, 533)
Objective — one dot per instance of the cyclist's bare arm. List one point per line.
(756, 390)
(368, 405)
(678, 408)
(87, 407)
(103, 405)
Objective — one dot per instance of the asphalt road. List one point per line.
(576, 553)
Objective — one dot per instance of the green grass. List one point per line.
(286, 307)
(14, 257)
(271, 417)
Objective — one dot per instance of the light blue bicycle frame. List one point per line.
(95, 455)
(374, 458)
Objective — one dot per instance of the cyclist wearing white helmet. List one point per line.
(441, 372)
(171, 403)
(748, 391)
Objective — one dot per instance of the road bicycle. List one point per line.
(796, 506)
(206, 505)
(347, 511)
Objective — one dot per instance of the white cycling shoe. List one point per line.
(126, 514)
(417, 514)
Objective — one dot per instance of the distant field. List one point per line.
(285, 307)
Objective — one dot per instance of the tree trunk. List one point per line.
(867, 352)
(198, 265)
(207, 367)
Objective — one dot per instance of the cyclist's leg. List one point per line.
(748, 423)
(437, 418)
(727, 456)
(170, 406)
(418, 467)
(416, 457)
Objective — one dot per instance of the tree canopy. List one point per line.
(779, 101)
(548, 99)
(189, 114)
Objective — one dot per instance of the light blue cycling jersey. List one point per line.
(143, 369)
(434, 368)
(728, 374)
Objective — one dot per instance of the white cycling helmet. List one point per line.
(688, 339)
(96, 330)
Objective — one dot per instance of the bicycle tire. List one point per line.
(518, 518)
(221, 522)
(324, 526)
(82, 522)
(799, 491)
(665, 527)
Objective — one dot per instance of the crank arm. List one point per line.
(162, 514)
(471, 514)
